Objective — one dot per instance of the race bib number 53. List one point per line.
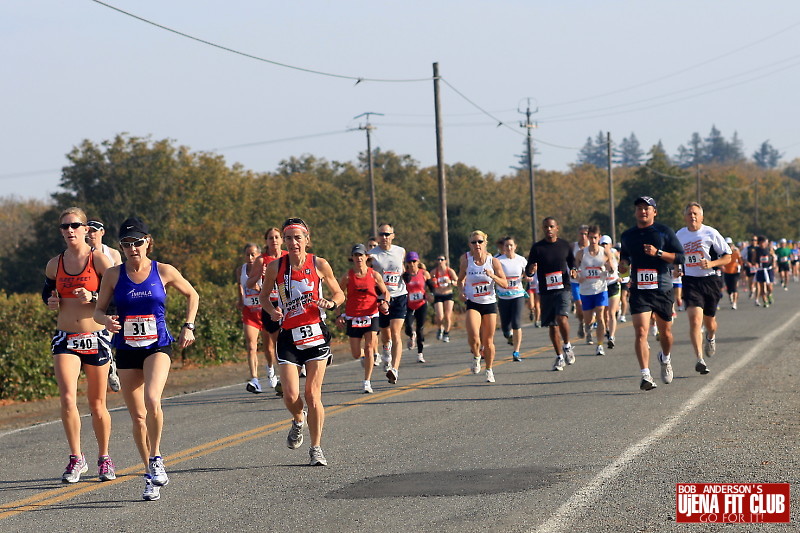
(308, 336)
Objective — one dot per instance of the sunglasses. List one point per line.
(384, 234)
(73, 225)
(476, 242)
(440, 259)
(133, 244)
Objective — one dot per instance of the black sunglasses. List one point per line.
(133, 244)
(384, 234)
(476, 242)
(73, 225)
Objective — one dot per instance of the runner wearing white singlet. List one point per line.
(512, 300)
(613, 282)
(593, 266)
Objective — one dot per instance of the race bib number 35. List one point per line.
(305, 337)
(252, 302)
(140, 331)
(647, 279)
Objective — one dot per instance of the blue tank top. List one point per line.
(141, 311)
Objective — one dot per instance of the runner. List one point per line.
(795, 262)
(552, 260)
(651, 248)
(79, 341)
(416, 280)
(704, 250)
(612, 279)
(387, 260)
(751, 266)
(764, 257)
(360, 316)
(250, 307)
(731, 273)
(534, 305)
(95, 239)
(593, 266)
(512, 300)
(624, 285)
(273, 240)
(143, 342)
(478, 275)
(580, 244)
(443, 278)
(304, 338)
(784, 255)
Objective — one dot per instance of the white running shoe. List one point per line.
(386, 355)
(152, 491)
(295, 437)
(157, 471)
(412, 340)
(666, 369)
(367, 387)
(254, 386)
(569, 353)
(489, 375)
(420, 358)
(113, 377)
(589, 339)
(77, 466)
(391, 376)
(599, 350)
(446, 337)
(559, 364)
(710, 347)
(654, 331)
(622, 318)
(315, 457)
(476, 365)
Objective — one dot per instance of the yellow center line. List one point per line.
(54, 496)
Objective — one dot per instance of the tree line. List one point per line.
(202, 211)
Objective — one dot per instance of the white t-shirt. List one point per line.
(515, 271)
(389, 263)
(697, 246)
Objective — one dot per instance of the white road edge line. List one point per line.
(562, 518)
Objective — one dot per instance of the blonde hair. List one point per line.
(77, 211)
(481, 234)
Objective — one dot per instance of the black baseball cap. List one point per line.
(649, 200)
(95, 225)
(359, 249)
(133, 227)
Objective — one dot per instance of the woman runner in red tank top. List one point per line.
(444, 279)
(303, 338)
(361, 285)
(417, 279)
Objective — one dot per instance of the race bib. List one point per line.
(554, 280)
(783, 259)
(83, 343)
(513, 282)
(693, 258)
(361, 321)
(443, 281)
(480, 288)
(647, 278)
(391, 279)
(753, 269)
(140, 331)
(305, 337)
(416, 296)
(765, 261)
(252, 301)
(594, 273)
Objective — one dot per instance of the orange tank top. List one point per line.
(88, 278)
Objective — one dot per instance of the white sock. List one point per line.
(664, 357)
(270, 371)
(645, 372)
(567, 346)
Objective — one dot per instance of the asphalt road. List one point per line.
(578, 450)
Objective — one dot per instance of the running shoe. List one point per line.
(386, 356)
(647, 383)
(758, 304)
(273, 381)
(569, 354)
(589, 339)
(510, 339)
(316, 457)
(253, 386)
(770, 299)
(420, 358)
(666, 369)
(391, 375)
(622, 318)
(412, 340)
(530, 316)
(476, 365)
(303, 371)
(367, 387)
(438, 334)
(581, 331)
(537, 324)
(152, 491)
(733, 306)
(295, 437)
(446, 337)
(709, 347)
(377, 359)
(489, 375)
(77, 466)
(157, 471)
(654, 331)
(594, 325)
(600, 350)
(611, 343)
(559, 364)
(113, 377)
(105, 469)
(516, 357)
(279, 389)
(702, 367)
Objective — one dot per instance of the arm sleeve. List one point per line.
(47, 290)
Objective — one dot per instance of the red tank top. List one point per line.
(88, 278)
(273, 295)
(298, 293)
(416, 290)
(362, 298)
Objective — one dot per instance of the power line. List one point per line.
(28, 173)
(358, 79)
(285, 139)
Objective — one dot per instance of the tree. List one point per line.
(767, 156)
(630, 153)
(522, 159)
(594, 152)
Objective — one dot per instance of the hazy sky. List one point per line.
(74, 70)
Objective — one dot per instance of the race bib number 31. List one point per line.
(647, 279)
(140, 331)
(306, 337)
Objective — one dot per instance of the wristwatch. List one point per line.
(189, 326)
(659, 253)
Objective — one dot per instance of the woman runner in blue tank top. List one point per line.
(142, 339)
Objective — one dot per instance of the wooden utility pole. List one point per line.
(529, 126)
(611, 191)
(437, 104)
(373, 203)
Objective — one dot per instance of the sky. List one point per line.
(662, 70)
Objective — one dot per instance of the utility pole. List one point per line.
(611, 191)
(529, 126)
(373, 204)
(437, 104)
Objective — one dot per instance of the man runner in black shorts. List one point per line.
(651, 249)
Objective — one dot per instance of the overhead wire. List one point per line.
(358, 79)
